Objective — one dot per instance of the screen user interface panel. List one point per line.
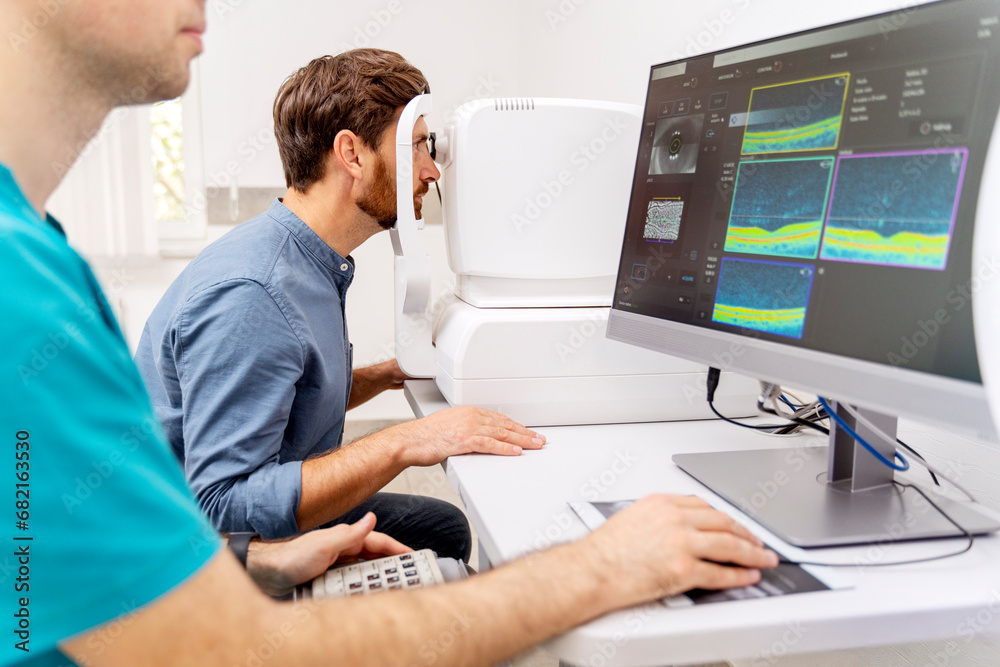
(820, 190)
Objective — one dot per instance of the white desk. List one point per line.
(519, 505)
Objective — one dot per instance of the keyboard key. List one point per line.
(413, 570)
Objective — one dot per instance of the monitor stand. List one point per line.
(830, 496)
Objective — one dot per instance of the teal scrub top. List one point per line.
(95, 517)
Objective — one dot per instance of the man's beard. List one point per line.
(379, 200)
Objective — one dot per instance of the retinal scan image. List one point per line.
(675, 145)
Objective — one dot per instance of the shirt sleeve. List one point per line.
(107, 523)
(238, 361)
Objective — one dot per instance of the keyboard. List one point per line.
(403, 572)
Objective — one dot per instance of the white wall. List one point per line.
(597, 49)
(466, 50)
(603, 49)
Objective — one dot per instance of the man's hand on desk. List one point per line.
(462, 430)
(278, 566)
(664, 545)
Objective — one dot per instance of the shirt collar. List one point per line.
(13, 199)
(341, 267)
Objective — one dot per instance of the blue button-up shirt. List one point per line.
(248, 365)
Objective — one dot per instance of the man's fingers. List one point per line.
(521, 440)
(717, 577)
(505, 423)
(724, 547)
(693, 502)
(359, 530)
(379, 544)
(487, 445)
(713, 520)
(365, 524)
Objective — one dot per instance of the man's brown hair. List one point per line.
(358, 90)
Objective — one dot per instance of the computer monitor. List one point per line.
(803, 212)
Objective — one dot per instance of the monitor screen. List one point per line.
(818, 192)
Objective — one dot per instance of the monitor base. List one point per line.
(786, 491)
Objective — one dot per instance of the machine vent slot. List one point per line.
(514, 104)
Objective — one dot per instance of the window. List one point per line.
(166, 119)
(177, 173)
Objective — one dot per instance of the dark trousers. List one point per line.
(418, 522)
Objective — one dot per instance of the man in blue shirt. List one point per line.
(247, 357)
(132, 574)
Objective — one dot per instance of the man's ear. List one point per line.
(347, 152)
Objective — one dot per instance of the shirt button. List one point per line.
(343, 267)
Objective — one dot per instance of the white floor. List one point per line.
(960, 652)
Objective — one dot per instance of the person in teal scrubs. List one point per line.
(108, 558)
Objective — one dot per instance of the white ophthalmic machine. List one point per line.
(536, 193)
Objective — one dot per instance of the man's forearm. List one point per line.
(369, 382)
(218, 618)
(339, 482)
(661, 545)
(477, 622)
(364, 387)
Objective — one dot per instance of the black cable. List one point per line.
(712, 383)
(917, 454)
(760, 427)
(783, 561)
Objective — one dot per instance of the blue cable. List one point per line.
(784, 399)
(851, 432)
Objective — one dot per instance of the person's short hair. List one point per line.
(358, 90)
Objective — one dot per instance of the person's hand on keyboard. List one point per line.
(278, 566)
(664, 545)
